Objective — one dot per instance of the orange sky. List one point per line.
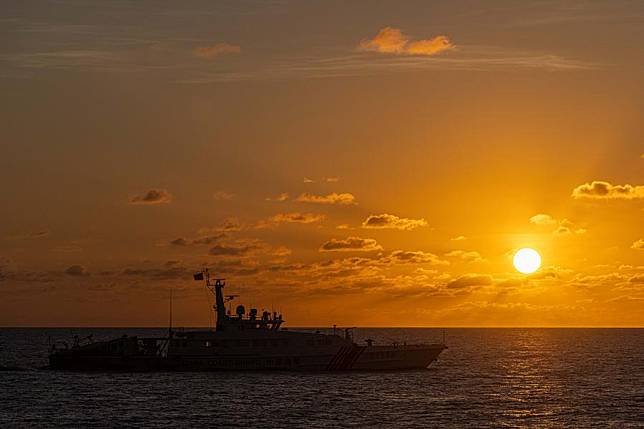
(364, 164)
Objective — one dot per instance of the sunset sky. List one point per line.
(350, 163)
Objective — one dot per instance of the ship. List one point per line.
(241, 341)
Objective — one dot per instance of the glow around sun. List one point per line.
(527, 260)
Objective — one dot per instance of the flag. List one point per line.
(198, 276)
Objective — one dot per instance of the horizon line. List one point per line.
(344, 327)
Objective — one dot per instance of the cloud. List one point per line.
(9, 272)
(205, 240)
(387, 221)
(459, 238)
(281, 197)
(332, 179)
(307, 180)
(208, 239)
(567, 227)
(172, 272)
(637, 279)
(296, 217)
(230, 224)
(153, 196)
(414, 257)
(467, 256)
(639, 244)
(245, 247)
(222, 196)
(281, 251)
(545, 273)
(470, 280)
(76, 271)
(563, 226)
(542, 219)
(429, 46)
(179, 242)
(604, 190)
(234, 249)
(119, 55)
(333, 198)
(67, 248)
(216, 50)
(350, 244)
(42, 233)
(390, 40)
(472, 58)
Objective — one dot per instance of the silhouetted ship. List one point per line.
(241, 342)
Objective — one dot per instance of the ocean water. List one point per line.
(545, 378)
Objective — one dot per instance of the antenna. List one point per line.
(170, 321)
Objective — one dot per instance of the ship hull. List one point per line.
(352, 358)
(397, 358)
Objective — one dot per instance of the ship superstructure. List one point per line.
(242, 341)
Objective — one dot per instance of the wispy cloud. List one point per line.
(222, 196)
(216, 50)
(41, 233)
(80, 59)
(467, 58)
(639, 244)
(143, 56)
(332, 198)
(281, 197)
(151, 40)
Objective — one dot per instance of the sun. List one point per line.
(527, 260)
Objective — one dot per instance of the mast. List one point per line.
(217, 289)
(220, 308)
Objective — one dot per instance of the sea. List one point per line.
(487, 378)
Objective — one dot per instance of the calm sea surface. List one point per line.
(578, 378)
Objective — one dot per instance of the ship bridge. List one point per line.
(241, 320)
